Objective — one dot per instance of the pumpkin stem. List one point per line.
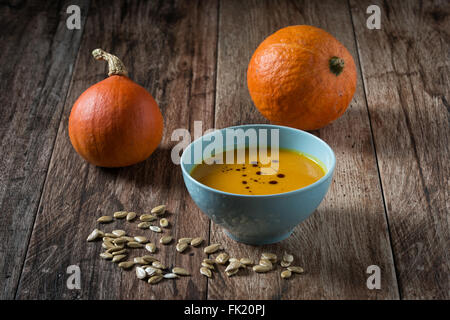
(115, 66)
(336, 65)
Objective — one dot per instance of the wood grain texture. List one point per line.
(349, 231)
(406, 73)
(37, 53)
(169, 48)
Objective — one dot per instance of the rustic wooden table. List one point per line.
(388, 204)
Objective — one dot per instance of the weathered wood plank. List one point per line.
(349, 230)
(38, 53)
(169, 48)
(406, 74)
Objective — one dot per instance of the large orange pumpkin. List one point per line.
(116, 122)
(301, 77)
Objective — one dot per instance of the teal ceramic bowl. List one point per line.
(259, 219)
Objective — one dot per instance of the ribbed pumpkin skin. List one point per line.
(290, 81)
(115, 123)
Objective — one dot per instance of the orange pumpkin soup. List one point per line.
(294, 170)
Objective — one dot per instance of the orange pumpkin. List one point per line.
(116, 122)
(301, 77)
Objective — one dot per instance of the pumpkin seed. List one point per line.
(211, 248)
(151, 247)
(140, 260)
(196, 241)
(170, 276)
(296, 269)
(126, 264)
(233, 266)
(131, 216)
(180, 271)
(149, 259)
(119, 233)
(120, 214)
(207, 265)
(144, 225)
(140, 273)
(119, 241)
(266, 263)
(164, 223)
(114, 249)
(288, 257)
(246, 261)
(159, 210)
(110, 236)
(147, 218)
(123, 251)
(105, 219)
(166, 240)
(232, 272)
(106, 255)
(272, 257)
(155, 229)
(232, 260)
(95, 234)
(133, 244)
(158, 265)
(181, 246)
(118, 257)
(108, 239)
(129, 238)
(209, 261)
(155, 279)
(222, 258)
(151, 271)
(185, 240)
(285, 264)
(261, 269)
(286, 274)
(206, 272)
(107, 245)
(141, 239)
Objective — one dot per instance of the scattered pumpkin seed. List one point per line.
(149, 259)
(181, 246)
(141, 239)
(131, 216)
(126, 264)
(286, 274)
(129, 238)
(209, 261)
(232, 260)
(207, 265)
(144, 225)
(119, 241)
(114, 249)
(272, 257)
(120, 214)
(196, 241)
(155, 279)
(107, 244)
(180, 271)
(211, 248)
(285, 264)
(151, 247)
(119, 233)
(185, 240)
(166, 240)
(105, 219)
(118, 257)
(170, 276)
(266, 263)
(140, 273)
(233, 266)
(151, 271)
(261, 269)
(232, 272)
(287, 257)
(159, 210)
(110, 236)
(123, 251)
(158, 265)
(206, 272)
(246, 261)
(147, 218)
(134, 244)
(155, 229)
(222, 258)
(164, 223)
(296, 269)
(140, 260)
(106, 255)
(95, 234)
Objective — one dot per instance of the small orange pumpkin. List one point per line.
(301, 77)
(116, 122)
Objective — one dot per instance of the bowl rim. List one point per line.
(300, 190)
